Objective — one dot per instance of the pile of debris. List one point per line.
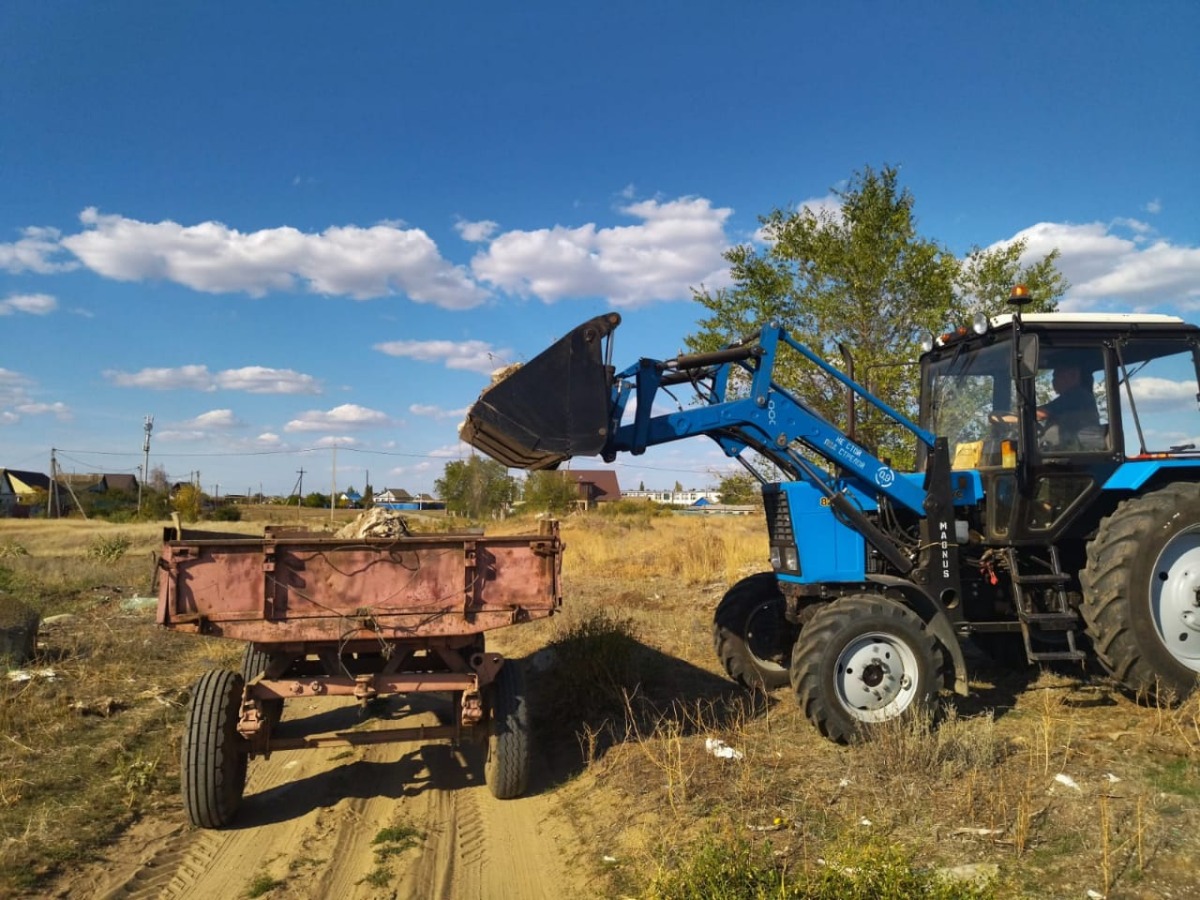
(376, 523)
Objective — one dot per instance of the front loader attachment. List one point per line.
(551, 408)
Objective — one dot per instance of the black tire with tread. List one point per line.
(509, 750)
(1116, 591)
(753, 604)
(830, 630)
(213, 759)
(254, 663)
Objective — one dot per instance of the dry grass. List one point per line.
(84, 753)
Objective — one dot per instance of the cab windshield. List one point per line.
(964, 387)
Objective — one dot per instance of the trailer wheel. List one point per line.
(508, 753)
(254, 663)
(213, 761)
(751, 637)
(863, 660)
(1141, 586)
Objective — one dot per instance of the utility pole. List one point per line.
(299, 493)
(333, 486)
(149, 426)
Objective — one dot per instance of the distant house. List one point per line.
(393, 495)
(20, 491)
(594, 486)
(351, 498)
(126, 483)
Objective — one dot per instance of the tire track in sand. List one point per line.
(309, 818)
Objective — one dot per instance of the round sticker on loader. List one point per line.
(885, 476)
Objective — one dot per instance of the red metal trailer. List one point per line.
(355, 617)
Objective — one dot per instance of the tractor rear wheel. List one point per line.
(254, 663)
(213, 759)
(751, 636)
(1142, 593)
(863, 660)
(509, 751)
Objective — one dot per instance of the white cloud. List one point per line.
(262, 380)
(349, 260)
(436, 412)
(7, 418)
(251, 379)
(14, 387)
(177, 435)
(216, 418)
(34, 304)
(457, 450)
(60, 411)
(677, 245)
(33, 252)
(332, 441)
(470, 356)
(1162, 393)
(1109, 270)
(269, 439)
(1154, 207)
(348, 415)
(476, 232)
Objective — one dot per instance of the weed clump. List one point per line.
(108, 548)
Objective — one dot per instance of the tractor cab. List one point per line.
(1055, 411)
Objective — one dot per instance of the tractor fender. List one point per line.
(936, 619)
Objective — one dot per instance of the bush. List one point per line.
(594, 667)
(227, 513)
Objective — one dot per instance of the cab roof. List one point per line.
(1121, 319)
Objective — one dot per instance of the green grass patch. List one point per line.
(262, 883)
(724, 869)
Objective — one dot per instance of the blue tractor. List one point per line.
(1055, 506)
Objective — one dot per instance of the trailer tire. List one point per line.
(214, 757)
(508, 753)
(254, 663)
(1140, 588)
(751, 637)
(863, 660)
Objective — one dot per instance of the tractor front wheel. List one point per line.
(863, 660)
(751, 636)
(214, 756)
(1142, 593)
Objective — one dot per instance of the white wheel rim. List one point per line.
(876, 677)
(1175, 597)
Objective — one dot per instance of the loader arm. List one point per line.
(569, 401)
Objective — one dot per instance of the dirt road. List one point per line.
(310, 817)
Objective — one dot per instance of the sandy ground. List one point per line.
(309, 817)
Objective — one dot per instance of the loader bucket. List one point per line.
(551, 408)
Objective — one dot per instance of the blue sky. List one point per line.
(280, 227)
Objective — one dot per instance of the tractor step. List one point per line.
(1057, 655)
(1047, 578)
(1052, 621)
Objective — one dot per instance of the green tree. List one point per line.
(316, 500)
(368, 496)
(740, 488)
(475, 487)
(861, 277)
(550, 492)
